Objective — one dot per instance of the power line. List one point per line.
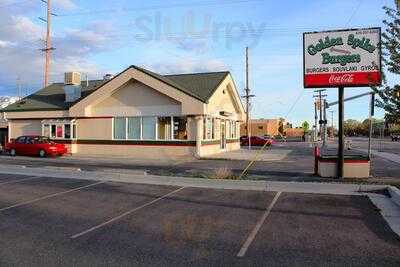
(15, 4)
(354, 12)
(294, 104)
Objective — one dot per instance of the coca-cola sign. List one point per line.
(341, 78)
(342, 58)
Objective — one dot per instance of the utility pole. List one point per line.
(333, 131)
(324, 140)
(19, 91)
(321, 120)
(315, 122)
(247, 97)
(48, 47)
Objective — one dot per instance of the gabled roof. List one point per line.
(51, 97)
(197, 85)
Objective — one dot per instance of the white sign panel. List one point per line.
(342, 58)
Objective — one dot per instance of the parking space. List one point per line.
(81, 223)
(7, 179)
(320, 229)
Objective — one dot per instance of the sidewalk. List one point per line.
(385, 155)
(143, 178)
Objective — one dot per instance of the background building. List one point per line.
(261, 127)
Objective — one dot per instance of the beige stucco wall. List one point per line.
(211, 149)
(350, 170)
(189, 105)
(233, 146)
(94, 129)
(137, 151)
(24, 127)
(207, 150)
(225, 98)
(36, 114)
(137, 99)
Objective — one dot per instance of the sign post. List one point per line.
(339, 59)
(340, 163)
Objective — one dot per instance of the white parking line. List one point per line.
(21, 180)
(49, 196)
(123, 214)
(253, 233)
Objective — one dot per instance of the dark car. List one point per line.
(395, 137)
(35, 145)
(255, 141)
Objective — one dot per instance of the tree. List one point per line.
(390, 95)
(281, 129)
(351, 127)
(306, 126)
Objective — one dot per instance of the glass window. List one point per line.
(180, 124)
(53, 131)
(67, 131)
(20, 140)
(213, 129)
(73, 131)
(59, 131)
(209, 128)
(29, 140)
(119, 128)
(134, 128)
(229, 129)
(46, 130)
(164, 128)
(149, 128)
(204, 128)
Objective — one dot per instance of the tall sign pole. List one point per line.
(371, 114)
(339, 59)
(340, 163)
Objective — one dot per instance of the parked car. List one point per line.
(35, 145)
(255, 141)
(395, 137)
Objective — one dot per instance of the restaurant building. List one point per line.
(137, 113)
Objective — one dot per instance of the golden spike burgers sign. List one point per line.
(342, 58)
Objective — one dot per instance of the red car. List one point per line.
(255, 141)
(35, 145)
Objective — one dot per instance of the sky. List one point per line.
(101, 36)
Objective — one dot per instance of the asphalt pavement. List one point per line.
(69, 222)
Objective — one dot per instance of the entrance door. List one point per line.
(223, 135)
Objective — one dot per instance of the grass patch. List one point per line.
(223, 173)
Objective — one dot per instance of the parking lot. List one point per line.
(65, 222)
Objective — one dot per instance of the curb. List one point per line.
(293, 187)
(394, 194)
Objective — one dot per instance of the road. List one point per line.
(68, 222)
(295, 165)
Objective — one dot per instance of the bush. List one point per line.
(223, 173)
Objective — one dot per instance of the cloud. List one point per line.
(5, 44)
(20, 55)
(65, 4)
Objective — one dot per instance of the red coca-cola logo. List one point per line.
(341, 79)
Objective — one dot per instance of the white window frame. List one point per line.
(141, 129)
(212, 128)
(61, 123)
